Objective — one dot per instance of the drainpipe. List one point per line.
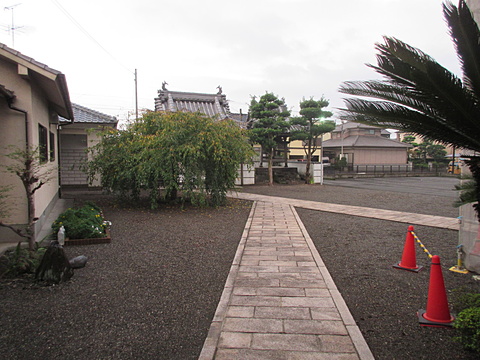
(27, 133)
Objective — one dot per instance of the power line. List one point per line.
(87, 34)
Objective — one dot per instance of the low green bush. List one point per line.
(468, 325)
(82, 223)
(21, 261)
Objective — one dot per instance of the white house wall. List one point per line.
(380, 156)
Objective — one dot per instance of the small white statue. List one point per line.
(61, 235)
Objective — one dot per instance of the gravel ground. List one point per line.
(149, 294)
(152, 292)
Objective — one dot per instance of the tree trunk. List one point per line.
(54, 267)
(308, 177)
(270, 168)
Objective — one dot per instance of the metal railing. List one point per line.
(385, 170)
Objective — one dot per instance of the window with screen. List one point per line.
(52, 146)
(43, 143)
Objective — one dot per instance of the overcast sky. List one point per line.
(293, 48)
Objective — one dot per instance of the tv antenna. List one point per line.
(12, 28)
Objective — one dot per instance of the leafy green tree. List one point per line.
(421, 96)
(310, 127)
(28, 166)
(269, 114)
(425, 150)
(179, 151)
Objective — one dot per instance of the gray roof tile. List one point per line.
(212, 105)
(83, 114)
(29, 59)
(364, 141)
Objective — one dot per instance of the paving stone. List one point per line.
(237, 290)
(275, 312)
(257, 282)
(263, 257)
(258, 269)
(276, 253)
(247, 262)
(247, 275)
(298, 269)
(317, 292)
(281, 276)
(313, 276)
(234, 340)
(325, 314)
(280, 291)
(295, 258)
(320, 327)
(303, 283)
(308, 302)
(277, 263)
(241, 311)
(253, 325)
(247, 354)
(256, 300)
(286, 342)
(306, 263)
(335, 343)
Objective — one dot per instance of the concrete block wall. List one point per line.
(469, 237)
(70, 162)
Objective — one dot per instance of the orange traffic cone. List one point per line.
(409, 258)
(438, 313)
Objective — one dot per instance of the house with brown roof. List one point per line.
(75, 138)
(32, 97)
(365, 145)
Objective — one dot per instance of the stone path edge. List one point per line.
(358, 340)
(213, 336)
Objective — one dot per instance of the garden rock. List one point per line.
(54, 267)
(78, 262)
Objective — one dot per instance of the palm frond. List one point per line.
(466, 36)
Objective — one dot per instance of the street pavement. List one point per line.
(438, 186)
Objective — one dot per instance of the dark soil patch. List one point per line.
(149, 294)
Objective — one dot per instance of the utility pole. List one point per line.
(136, 96)
(12, 27)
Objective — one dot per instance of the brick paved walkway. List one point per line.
(279, 301)
(390, 215)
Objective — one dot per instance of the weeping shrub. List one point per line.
(165, 153)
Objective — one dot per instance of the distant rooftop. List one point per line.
(364, 141)
(354, 125)
(83, 114)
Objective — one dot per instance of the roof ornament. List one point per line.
(164, 86)
(219, 90)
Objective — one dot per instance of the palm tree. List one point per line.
(420, 96)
